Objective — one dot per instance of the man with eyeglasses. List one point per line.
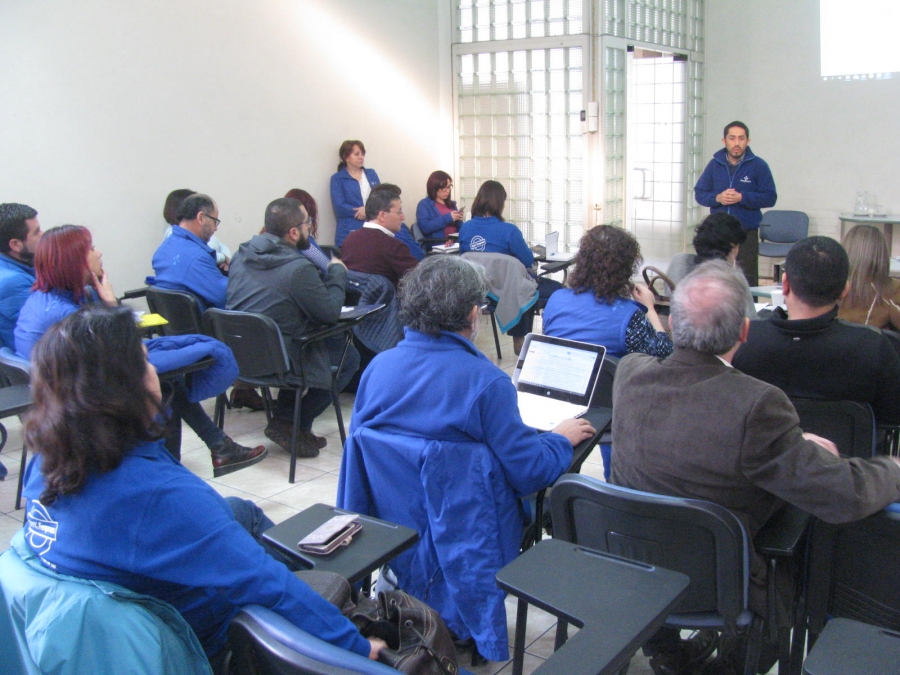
(375, 247)
(184, 261)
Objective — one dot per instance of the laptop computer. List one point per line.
(551, 246)
(555, 379)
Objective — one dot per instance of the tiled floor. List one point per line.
(267, 485)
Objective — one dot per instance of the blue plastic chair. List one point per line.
(264, 642)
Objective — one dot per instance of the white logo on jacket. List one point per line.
(478, 243)
(41, 529)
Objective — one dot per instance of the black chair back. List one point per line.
(703, 540)
(13, 369)
(179, 308)
(850, 425)
(255, 340)
(853, 572)
(603, 393)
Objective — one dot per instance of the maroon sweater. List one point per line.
(372, 251)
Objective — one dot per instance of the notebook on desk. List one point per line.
(555, 379)
(551, 246)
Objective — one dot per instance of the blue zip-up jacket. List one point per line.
(42, 310)
(430, 220)
(451, 461)
(155, 528)
(752, 179)
(346, 197)
(183, 262)
(16, 279)
(405, 235)
(489, 234)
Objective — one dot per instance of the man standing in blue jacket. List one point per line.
(740, 183)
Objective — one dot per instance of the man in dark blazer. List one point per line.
(692, 426)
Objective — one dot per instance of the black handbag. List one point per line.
(419, 642)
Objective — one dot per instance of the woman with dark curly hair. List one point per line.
(602, 305)
(718, 237)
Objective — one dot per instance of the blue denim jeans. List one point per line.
(195, 416)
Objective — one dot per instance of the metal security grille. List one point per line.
(485, 20)
(519, 123)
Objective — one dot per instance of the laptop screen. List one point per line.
(561, 369)
(551, 243)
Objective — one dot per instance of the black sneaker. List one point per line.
(228, 456)
(687, 656)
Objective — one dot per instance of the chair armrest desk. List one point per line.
(617, 603)
(375, 544)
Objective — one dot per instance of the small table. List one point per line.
(600, 419)
(375, 544)
(848, 647)
(764, 291)
(617, 603)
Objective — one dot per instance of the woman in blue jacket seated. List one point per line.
(350, 187)
(602, 305)
(486, 231)
(69, 273)
(437, 215)
(107, 502)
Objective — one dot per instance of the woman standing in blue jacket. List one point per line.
(350, 187)
(437, 215)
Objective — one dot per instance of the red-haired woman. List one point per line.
(314, 253)
(437, 215)
(69, 272)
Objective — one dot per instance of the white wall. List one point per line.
(106, 107)
(823, 140)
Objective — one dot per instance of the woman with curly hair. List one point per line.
(873, 298)
(602, 305)
(718, 237)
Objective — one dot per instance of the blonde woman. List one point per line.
(873, 298)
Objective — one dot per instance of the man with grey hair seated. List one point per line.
(437, 444)
(692, 426)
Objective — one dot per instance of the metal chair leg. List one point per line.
(22, 464)
(496, 336)
(294, 439)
